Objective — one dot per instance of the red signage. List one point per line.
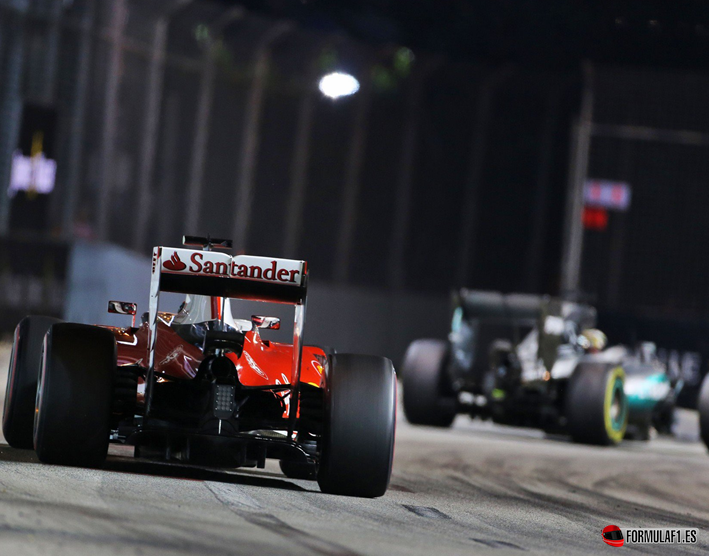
(595, 218)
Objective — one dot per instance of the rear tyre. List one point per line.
(357, 446)
(18, 413)
(596, 404)
(74, 395)
(428, 394)
(703, 408)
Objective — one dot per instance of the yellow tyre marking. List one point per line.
(614, 435)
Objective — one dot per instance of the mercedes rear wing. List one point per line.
(521, 309)
(219, 274)
(490, 305)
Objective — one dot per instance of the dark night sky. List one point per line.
(554, 34)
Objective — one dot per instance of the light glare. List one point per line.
(337, 84)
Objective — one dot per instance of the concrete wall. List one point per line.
(99, 272)
(346, 318)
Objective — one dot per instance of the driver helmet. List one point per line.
(593, 339)
(648, 351)
(202, 309)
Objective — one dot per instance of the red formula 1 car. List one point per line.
(203, 387)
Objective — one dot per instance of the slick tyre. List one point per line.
(74, 395)
(596, 404)
(703, 408)
(18, 414)
(428, 394)
(357, 446)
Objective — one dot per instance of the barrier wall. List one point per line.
(33, 278)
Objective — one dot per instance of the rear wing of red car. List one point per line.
(219, 274)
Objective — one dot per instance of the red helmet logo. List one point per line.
(613, 536)
(174, 263)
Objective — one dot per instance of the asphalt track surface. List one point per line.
(474, 489)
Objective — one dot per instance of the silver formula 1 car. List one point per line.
(535, 361)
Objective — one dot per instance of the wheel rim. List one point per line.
(8, 387)
(616, 409)
(40, 388)
(615, 406)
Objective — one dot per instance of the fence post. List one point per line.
(111, 108)
(352, 184)
(149, 135)
(55, 12)
(168, 161)
(199, 143)
(535, 248)
(469, 216)
(149, 138)
(202, 120)
(77, 116)
(299, 167)
(573, 225)
(11, 100)
(407, 161)
(251, 135)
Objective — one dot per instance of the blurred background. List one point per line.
(516, 146)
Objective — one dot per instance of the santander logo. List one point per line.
(175, 263)
(262, 269)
